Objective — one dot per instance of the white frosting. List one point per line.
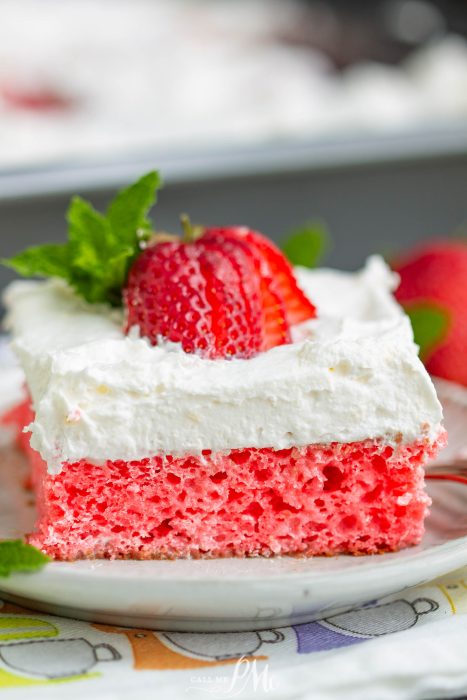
(352, 374)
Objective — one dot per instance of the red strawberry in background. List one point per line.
(33, 98)
(433, 291)
(222, 292)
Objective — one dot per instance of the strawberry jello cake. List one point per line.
(195, 397)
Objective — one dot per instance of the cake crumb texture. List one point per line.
(355, 498)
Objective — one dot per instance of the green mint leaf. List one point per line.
(48, 260)
(430, 324)
(127, 214)
(101, 248)
(307, 244)
(16, 555)
(91, 250)
(89, 233)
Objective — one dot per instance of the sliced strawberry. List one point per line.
(233, 291)
(275, 329)
(298, 307)
(226, 293)
(166, 297)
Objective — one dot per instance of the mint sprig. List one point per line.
(101, 248)
(306, 244)
(430, 325)
(17, 556)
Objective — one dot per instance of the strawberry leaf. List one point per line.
(430, 324)
(307, 244)
(101, 248)
(16, 555)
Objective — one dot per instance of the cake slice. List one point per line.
(302, 429)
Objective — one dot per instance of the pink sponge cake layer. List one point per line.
(322, 499)
(360, 498)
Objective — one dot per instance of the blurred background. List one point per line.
(258, 112)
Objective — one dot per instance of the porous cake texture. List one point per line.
(359, 498)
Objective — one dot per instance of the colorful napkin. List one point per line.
(408, 645)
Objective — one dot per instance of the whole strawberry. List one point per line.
(221, 292)
(433, 291)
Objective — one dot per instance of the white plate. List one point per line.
(236, 594)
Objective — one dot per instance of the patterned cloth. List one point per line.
(407, 645)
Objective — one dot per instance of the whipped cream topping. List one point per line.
(349, 375)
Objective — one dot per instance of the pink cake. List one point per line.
(235, 408)
(359, 498)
